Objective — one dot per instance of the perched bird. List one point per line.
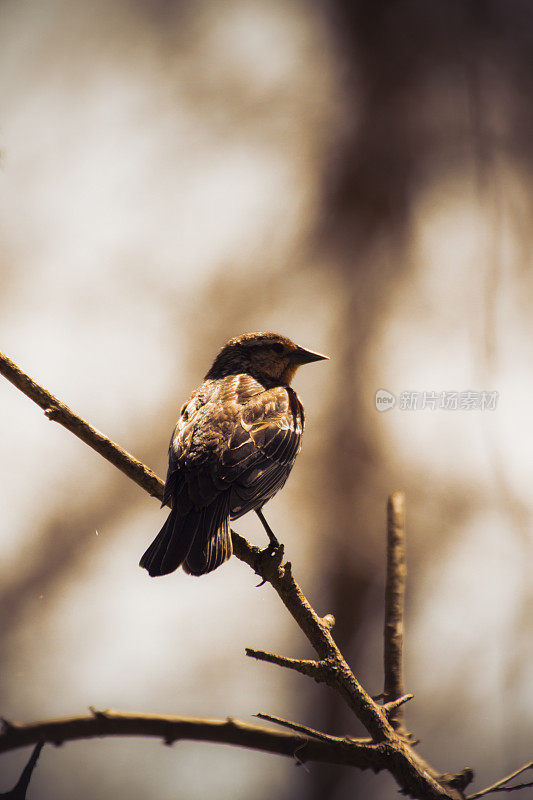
(232, 449)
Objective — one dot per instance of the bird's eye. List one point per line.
(278, 348)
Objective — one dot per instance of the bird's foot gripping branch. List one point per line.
(388, 745)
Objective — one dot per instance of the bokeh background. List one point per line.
(356, 175)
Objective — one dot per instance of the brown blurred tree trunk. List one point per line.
(388, 49)
(426, 87)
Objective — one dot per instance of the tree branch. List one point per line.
(324, 737)
(18, 792)
(394, 604)
(172, 729)
(313, 669)
(57, 411)
(390, 707)
(500, 786)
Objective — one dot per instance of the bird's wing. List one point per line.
(233, 434)
(260, 452)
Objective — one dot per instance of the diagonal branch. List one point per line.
(297, 726)
(313, 669)
(172, 729)
(58, 412)
(492, 790)
(500, 786)
(338, 674)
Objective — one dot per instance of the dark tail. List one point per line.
(200, 540)
(172, 544)
(212, 543)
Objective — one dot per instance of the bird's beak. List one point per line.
(303, 356)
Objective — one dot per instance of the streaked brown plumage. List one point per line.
(232, 449)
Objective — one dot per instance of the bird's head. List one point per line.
(267, 356)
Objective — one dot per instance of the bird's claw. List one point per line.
(269, 558)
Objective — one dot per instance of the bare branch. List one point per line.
(18, 792)
(500, 786)
(58, 412)
(313, 669)
(394, 603)
(324, 737)
(319, 634)
(390, 707)
(516, 788)
(172, 729)
(413, 774)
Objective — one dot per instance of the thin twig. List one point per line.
(390, 707)
(297, 726)
(172, 729)
(499, 786)
(394, 603)
(516, 788)
(313, 669)
(18, 792)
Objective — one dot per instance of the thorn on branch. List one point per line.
(97, 714)
(299, 761)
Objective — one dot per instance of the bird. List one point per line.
(232, 449)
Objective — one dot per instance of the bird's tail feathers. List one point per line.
(172, 544)
(212, 543)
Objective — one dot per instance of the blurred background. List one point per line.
(357, 176)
